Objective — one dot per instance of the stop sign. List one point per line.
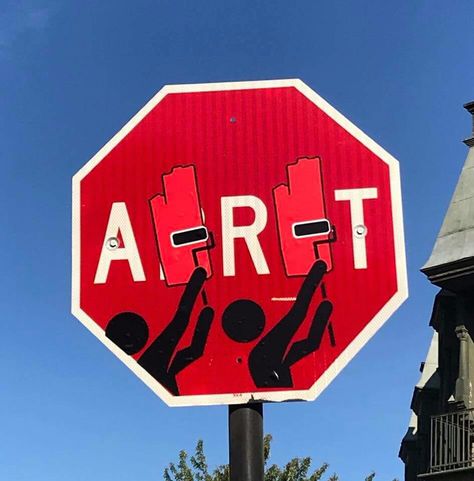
(237, 242)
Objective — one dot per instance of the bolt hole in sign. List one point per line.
(237, 242)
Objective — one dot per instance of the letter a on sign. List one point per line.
(119, 223)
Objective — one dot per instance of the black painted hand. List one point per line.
(270, 360)
(130, 332)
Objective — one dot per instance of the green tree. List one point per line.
(298, 469)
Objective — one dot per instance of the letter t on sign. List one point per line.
(356, 199)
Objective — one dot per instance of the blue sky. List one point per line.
(71, 74)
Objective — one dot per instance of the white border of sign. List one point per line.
(353, 348)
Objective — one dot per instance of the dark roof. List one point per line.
(455, 241)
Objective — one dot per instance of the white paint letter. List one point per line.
(356, 199)
(247, 232)
(162, 274)
(119, 221)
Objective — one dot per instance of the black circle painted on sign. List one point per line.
(243, 320)
(129, 331)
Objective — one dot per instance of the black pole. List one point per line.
(246, 442)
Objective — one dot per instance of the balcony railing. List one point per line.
(452, 441)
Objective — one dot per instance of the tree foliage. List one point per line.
(297, 469)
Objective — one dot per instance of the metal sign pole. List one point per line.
(246, 442)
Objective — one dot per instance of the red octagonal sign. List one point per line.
(237, 242)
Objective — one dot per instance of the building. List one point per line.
(439, 443)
